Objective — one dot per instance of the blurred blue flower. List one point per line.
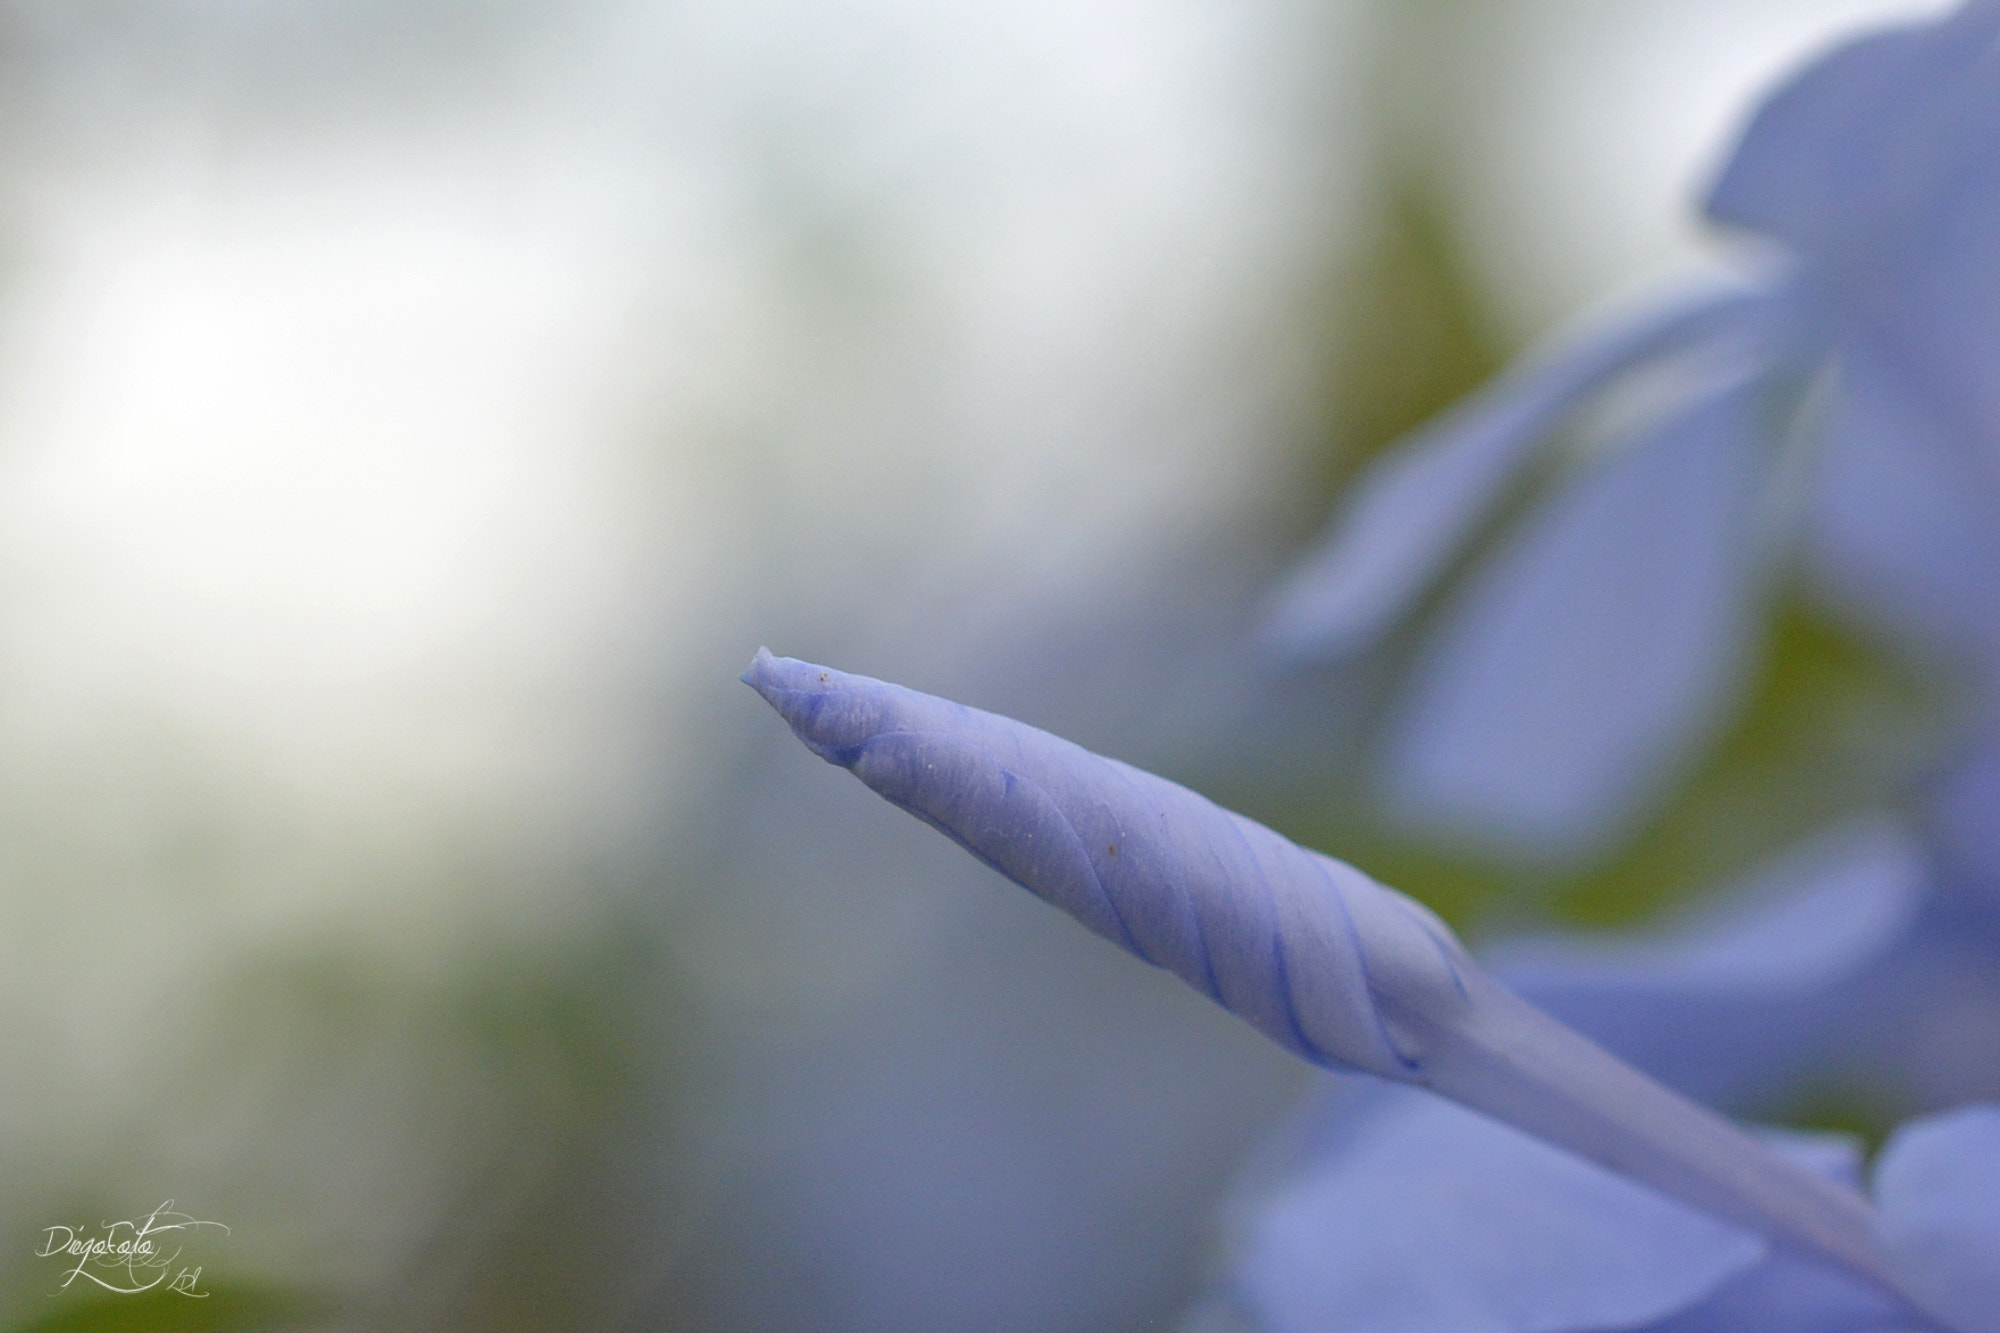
(1389, 1212)
(1835, 402)
(1838, 407)
(1859, 958)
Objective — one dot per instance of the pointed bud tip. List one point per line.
(831, 711)
(760, 672)
(771, 675)
(780, 679)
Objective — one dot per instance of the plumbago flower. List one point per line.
(1834, 403)
(1837, 406)
(1572, 1193)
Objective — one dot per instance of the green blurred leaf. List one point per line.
(1410, 331)
(1868, 1113)
(227, 1308)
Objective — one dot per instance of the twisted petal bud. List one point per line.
(1324, 961)
(1312, 952)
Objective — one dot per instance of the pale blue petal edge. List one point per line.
(1965, 810)
(1413, 511)
(1595, 648)
(1847, 159)
(1902, 527)
(1937, 1188)
(1382, 1212)
(1402, 1213)
(1784, 1294)
(1727, 1001)
(1937, 1185)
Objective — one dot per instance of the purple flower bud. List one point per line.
(1312, 952)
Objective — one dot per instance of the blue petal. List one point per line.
(1931, 315)
(1784, 1295)
(1407, 1214)
(1412, 513)
(1850, 158)
(1966, 810)
(1731, 1000)
(1938, 1186)
(1597, 646)
(1881, 166)
(1905, 524)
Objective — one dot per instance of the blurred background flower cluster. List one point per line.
(413, 416)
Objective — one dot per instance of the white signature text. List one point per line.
(129, 1257)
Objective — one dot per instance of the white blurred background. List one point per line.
(412, 416)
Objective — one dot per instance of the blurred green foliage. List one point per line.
(1409, 334)
(1849, 1107)
(225, 1308)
